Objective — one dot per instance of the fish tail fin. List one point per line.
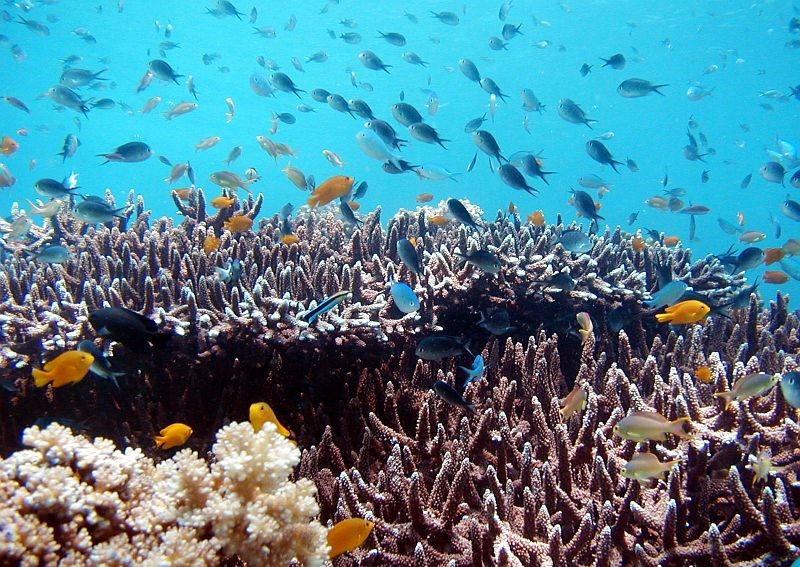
(41, 378)
(727, 396)
(656, 87)
(663, 317)
(160, 441)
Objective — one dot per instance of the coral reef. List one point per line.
(512, 485)
(69, 501)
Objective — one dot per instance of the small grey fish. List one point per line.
(616, 61)
(562, 280)
(471, 163)
(748, 258)
(53, 254)
(70, 147)
(584, 204)
(394, 38)
(599, 153)
(497, 322)
(426, 133)
(510, 31)
(285, 117)
(439, 347)
(585, 69)
(474, 124)
(163, 70)
(512, 177)
(283, 82)
(131, 152)
(790, 388)
(385, 132)
(413, 59)
(635, 88)
(361, 108)
(449, 394)
(348, 214)
(320, 95)
(52, 188)
(773, 172)
(469, 69)
(497, 44)
(482, 259)
(791, 209)
(491, 87)
(746, 181)
(406, 114)
(573, 113)
(371, 61)
(408, 255)
(94, 210)
(575, 241)
(448, 18)
(286, 211)
(339, 104)
(486, 143)
(461, 214)
(351, 37)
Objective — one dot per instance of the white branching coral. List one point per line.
(70, 501)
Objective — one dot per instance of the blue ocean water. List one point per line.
(739, 52)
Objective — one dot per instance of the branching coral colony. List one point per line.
(525, 481)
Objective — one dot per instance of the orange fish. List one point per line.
(173, 435)
(330, 189)
(290, 239)
(775, 277)
(671, 241)
(740, 218)
(536, 218)
(238, 223)
(438, 220)
(772, 255)
(347, 535)
(210, 244)
(222, 202)
(684, 312)
(354, 205)
(413, 241)
(637, 243)
(184, 193)
(657, 202)
(424, 197)
(512, 208)
(67, 368)
(8, 146)
(703, 373)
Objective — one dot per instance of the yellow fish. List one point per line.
(684, 312)
(210, 243)
(290, 239)
(173, 435)
(748, 386)
(644, 467)
(330, 189)
(238, 223)
(585, 322)
(347, 535)
(574, 402)
(67, 368)
(649, 426)
(424, 197)
(222, 202)
(260, 413)
(536, 218)
(438, 220)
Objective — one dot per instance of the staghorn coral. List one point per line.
(69, 501)
(517, 486)
(513, 485)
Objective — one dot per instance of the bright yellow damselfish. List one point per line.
(67, 368)
(173, 435)
(260, 413)
(684, 313)
(347, 535)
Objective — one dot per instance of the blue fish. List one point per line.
(102, 364)
(325, 305)
(790, 387)
(476, 372)
(667, 295)
(404, 297)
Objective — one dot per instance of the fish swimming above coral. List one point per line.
(133, 330)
